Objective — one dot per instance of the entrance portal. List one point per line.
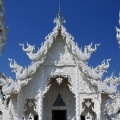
(82, 117)
(59, 115)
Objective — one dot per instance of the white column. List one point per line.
(40, 107)
(98, 112)
(77, 106)
(77, 95)
(98, 115)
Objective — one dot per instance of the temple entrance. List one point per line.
(59, 115)
(36, 117)
(82, 117)
(59, 101)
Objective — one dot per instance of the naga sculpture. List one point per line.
(24, 73)
(10, 86)
(97, 73)
(88, 50)
(94, 73)
(30, 51)
(109, 85)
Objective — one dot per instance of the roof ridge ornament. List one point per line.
(59, 20)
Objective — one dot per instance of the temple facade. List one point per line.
(59, 84)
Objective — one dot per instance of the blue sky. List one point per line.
(87, 20)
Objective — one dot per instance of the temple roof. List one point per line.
(94, 75)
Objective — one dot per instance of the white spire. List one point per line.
(59, 20)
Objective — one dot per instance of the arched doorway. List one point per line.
(59, 102)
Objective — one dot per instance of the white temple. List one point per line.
(59, 84)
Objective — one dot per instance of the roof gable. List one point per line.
(60, 36)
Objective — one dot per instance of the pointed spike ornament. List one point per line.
(59, 20)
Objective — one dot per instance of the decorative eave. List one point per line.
(49, 39)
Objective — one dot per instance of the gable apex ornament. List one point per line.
(59, 20)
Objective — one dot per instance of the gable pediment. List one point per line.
(59, 53)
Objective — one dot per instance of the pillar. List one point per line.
(77, 106)
(98, 112)
(40, 107)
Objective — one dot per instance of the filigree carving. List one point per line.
(113, 108)
(95, 73)
(10, 86)
(89, 116)
(59, 77)
(24, 73)
(86, 54)
(59, 80)
(109, 85)
(88, 109)
(30, 104)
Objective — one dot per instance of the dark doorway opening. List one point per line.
(82, 117)
(36, 117)
(59, 114)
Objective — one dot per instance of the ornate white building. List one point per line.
(58, 84)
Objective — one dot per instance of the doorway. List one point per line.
(82, 117)
(36, 117)
(59, 114)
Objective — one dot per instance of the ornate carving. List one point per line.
(88, 109)
(88, 50)
(94, 73)
(30, 104)
(57, 76)
(24, 73)
(89, 116)
(113, 108)
(59, 80)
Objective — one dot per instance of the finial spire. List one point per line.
(59, 11)
(59, 5)
(59, 20)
